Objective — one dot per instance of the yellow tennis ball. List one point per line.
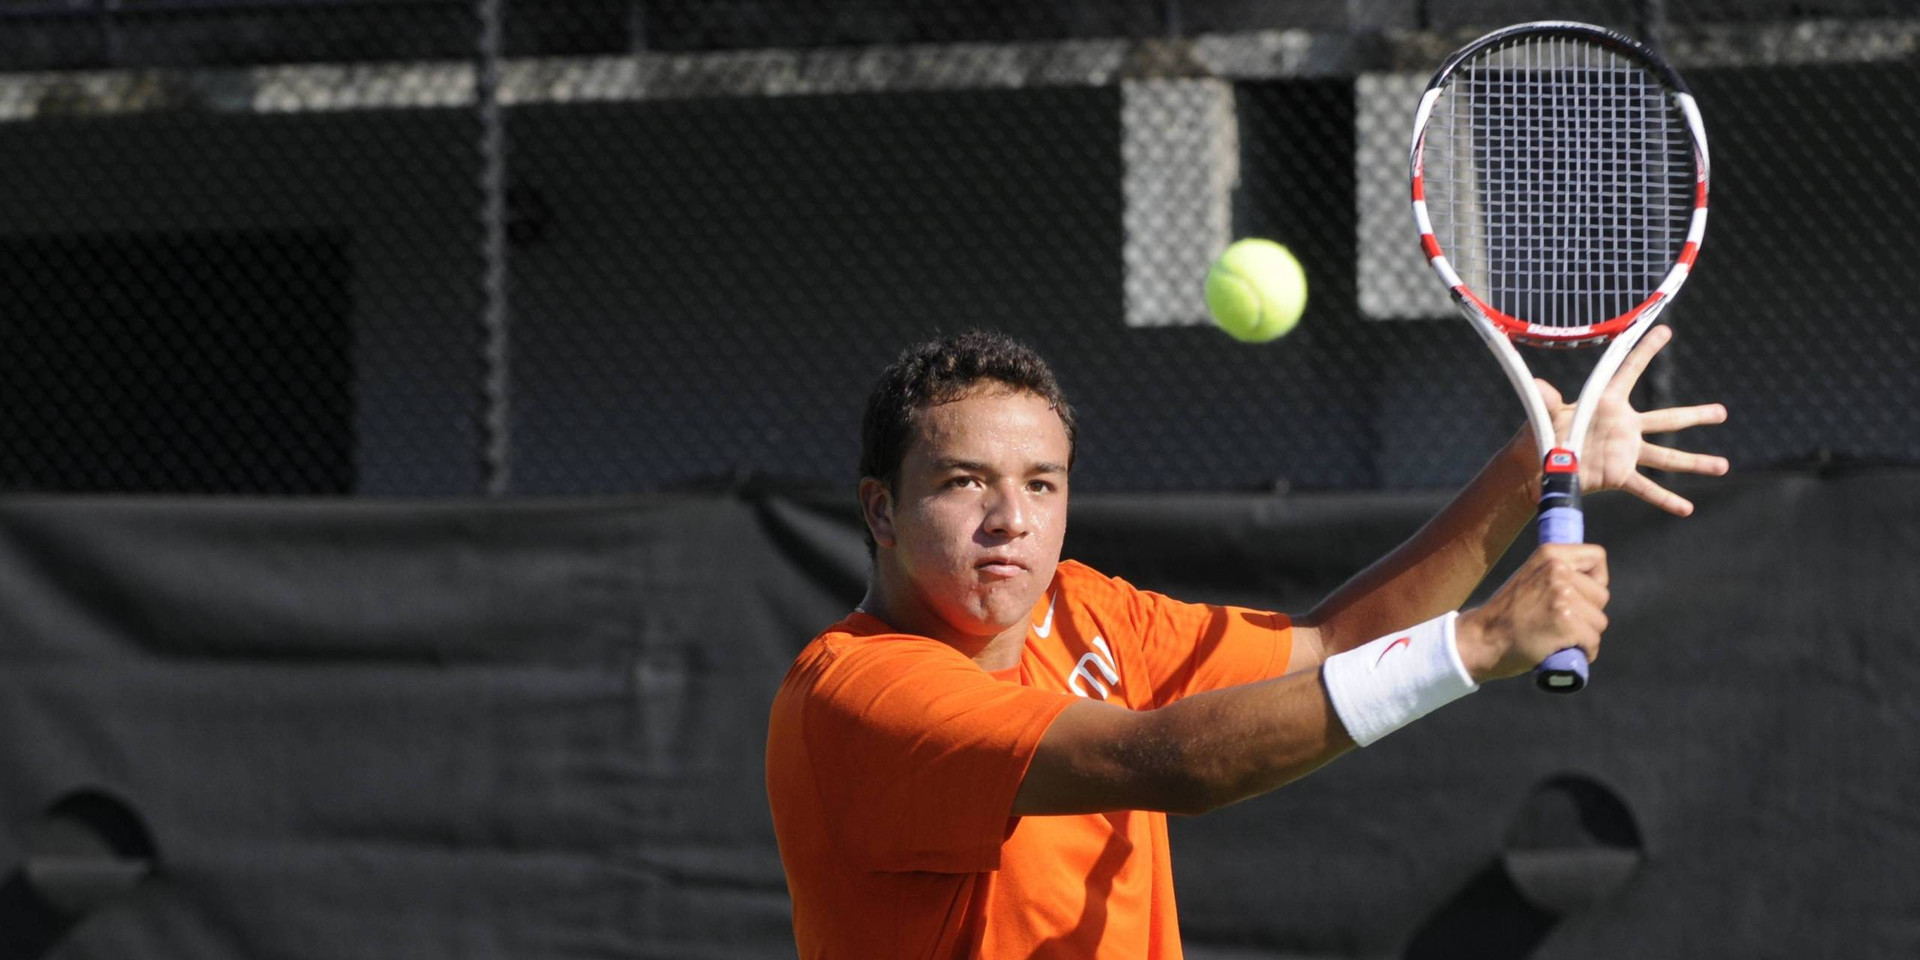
(1256, 290)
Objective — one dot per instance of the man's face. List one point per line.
(980, 509)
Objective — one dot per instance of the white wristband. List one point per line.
(1385, 684)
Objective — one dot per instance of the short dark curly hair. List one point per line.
(940, 371)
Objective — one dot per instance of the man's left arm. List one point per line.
(1439, 566)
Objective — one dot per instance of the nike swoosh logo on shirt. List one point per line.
(1045, 627)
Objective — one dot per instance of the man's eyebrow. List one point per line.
(975, 466)
(955, 463)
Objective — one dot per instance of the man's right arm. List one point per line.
(1212, 749)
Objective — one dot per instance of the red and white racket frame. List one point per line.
(1500, 330)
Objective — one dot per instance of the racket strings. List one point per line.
(1559, 178)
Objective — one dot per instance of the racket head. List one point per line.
(1559, 181)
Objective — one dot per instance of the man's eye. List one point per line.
(1040, 486)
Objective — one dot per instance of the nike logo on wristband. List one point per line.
(1406, 641)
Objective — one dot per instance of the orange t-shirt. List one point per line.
(893, 760)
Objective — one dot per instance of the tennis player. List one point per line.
(979, 760)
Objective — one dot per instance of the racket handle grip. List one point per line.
(1562, 522)
(1563, 672)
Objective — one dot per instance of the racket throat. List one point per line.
(1561, 520)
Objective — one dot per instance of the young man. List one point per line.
(979, 760)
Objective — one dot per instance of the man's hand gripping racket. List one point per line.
(1559, 181)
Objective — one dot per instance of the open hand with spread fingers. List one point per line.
(1617, 446)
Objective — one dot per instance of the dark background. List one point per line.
(695, 284)
(466, 729)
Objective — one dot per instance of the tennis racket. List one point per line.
(1560, 189)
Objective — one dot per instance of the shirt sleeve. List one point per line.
(918, 754)
(1193, 647)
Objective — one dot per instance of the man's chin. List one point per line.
(1006, 609)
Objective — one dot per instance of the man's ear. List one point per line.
(876, 507)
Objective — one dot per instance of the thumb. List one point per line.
(1549, 393)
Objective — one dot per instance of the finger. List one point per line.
(1584, 560)
(1657, 457)
(1578, 628)
(1549, 393)
(1590, 621)
(1574, 616)
(1668, 419)
(1589, 590)
(1659, 496)
(1637, 360)
(1583, 557)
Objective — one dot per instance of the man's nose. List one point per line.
(1007, 513)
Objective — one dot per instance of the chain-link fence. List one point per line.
(447, 248)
